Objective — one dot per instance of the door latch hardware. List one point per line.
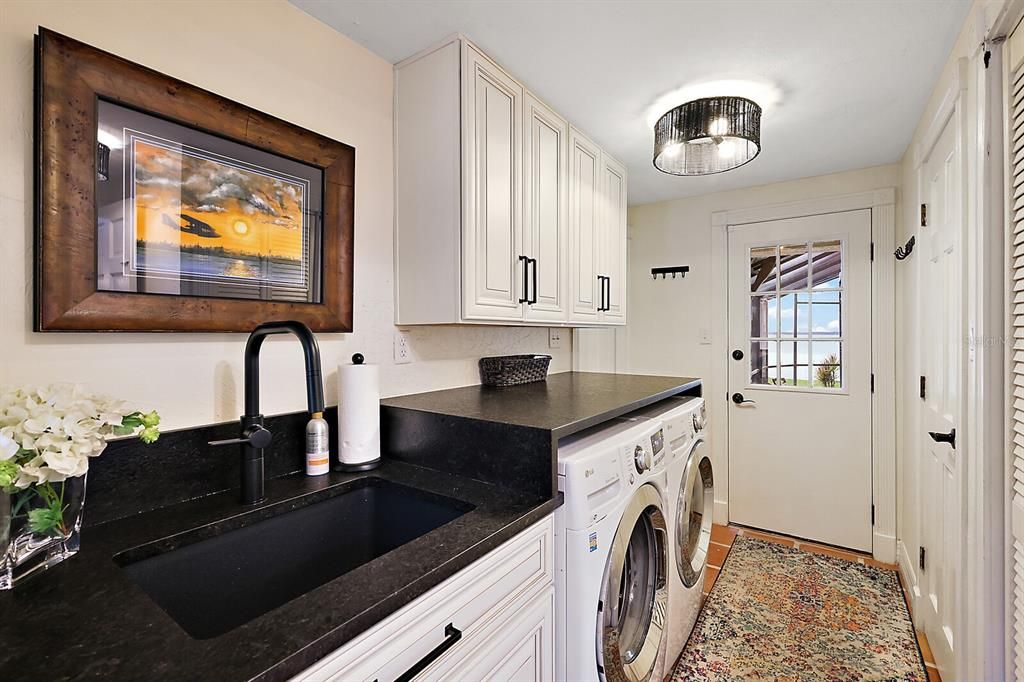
(740, 400)
(944, 437)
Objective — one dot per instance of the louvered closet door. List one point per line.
(1016, 383)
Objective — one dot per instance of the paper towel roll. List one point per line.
(358, 416)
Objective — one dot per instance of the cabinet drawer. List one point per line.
(519, 646)
(468, 601)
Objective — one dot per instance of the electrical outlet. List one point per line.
(403, 354)
(555, 337)
(705, 336)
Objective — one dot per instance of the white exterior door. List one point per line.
(800, 377)
(584, 226)
(613, 239)
(939, 303)
(546, 233)
(492, 224)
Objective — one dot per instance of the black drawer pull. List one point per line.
(451, 635)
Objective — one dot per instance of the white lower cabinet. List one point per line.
(491, 620)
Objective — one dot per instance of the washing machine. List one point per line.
(611, 554)
(691, 498)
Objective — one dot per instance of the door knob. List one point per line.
(740, 400)
(737, 354)
(945, 437)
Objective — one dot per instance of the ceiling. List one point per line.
(842, 83)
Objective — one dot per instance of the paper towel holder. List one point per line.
(346, 463)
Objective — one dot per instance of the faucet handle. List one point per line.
(255, 436)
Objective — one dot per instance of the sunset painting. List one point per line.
(197, 215)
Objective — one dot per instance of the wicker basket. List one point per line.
(510, 370)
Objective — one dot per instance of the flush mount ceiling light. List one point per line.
(706, 136)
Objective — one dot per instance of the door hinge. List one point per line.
(923, 387)
(872, 383)
(988, 56)
(920, 557)
(872, 251)
(924, 215)
(872, 515)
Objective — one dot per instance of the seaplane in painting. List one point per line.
(190, 225)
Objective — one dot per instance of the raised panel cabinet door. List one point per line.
(520, 650)
(613, 241)
(545, 213)
(492, 103)
(584, 227)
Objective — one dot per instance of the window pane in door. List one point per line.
(764, 362)
(763, 268)
(828, 364)
(828, 264)
(793, 266)
(795, 313)
(827, 314)
(793, 363)
(763, 316)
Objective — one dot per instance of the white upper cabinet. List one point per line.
(585, 227)
(546, 231)
(501, 213)
(613, 240)
(492, 235)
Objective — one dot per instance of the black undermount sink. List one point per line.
(212, 584)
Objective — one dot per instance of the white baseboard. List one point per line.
(721, 514)
(884, 548)
(909, 573)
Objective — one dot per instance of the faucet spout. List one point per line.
(310, 349)
(254, 438)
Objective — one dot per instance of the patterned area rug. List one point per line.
(778, 613)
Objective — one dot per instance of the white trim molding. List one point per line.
(943, 112)
(882, 203)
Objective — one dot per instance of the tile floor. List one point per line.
(721, 541)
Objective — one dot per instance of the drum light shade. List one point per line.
(707, 136)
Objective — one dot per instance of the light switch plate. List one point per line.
(705, 336)
(403, 353)
(555, 337)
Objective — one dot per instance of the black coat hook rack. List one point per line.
(902, 252)
(673, 270)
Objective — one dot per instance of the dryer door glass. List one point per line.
(634, 592)
(693, 516)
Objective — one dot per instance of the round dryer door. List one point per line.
(693, 515)
(631, 618)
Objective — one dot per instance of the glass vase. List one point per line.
(24, 553)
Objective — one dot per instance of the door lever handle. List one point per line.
(740, 400)
(944, 437)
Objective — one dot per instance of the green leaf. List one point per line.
(46, 520)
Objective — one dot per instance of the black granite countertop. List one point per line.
(86, 619)
(564, 404)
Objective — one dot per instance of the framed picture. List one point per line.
(164, 207)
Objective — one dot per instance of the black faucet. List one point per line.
(254, 436)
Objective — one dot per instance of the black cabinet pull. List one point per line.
(533, 300)
(945, 437)
(603, 304)
(451, 636)
(525, 298)
(608, 296)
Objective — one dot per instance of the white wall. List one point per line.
(667, 317)
(273, 57)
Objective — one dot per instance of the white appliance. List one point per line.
(691, 498)
(611, 554)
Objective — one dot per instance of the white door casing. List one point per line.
(492, 224)
(800, 450)
(940, 302)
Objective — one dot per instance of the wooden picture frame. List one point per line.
(71, 80)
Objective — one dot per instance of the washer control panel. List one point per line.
(641, 459)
